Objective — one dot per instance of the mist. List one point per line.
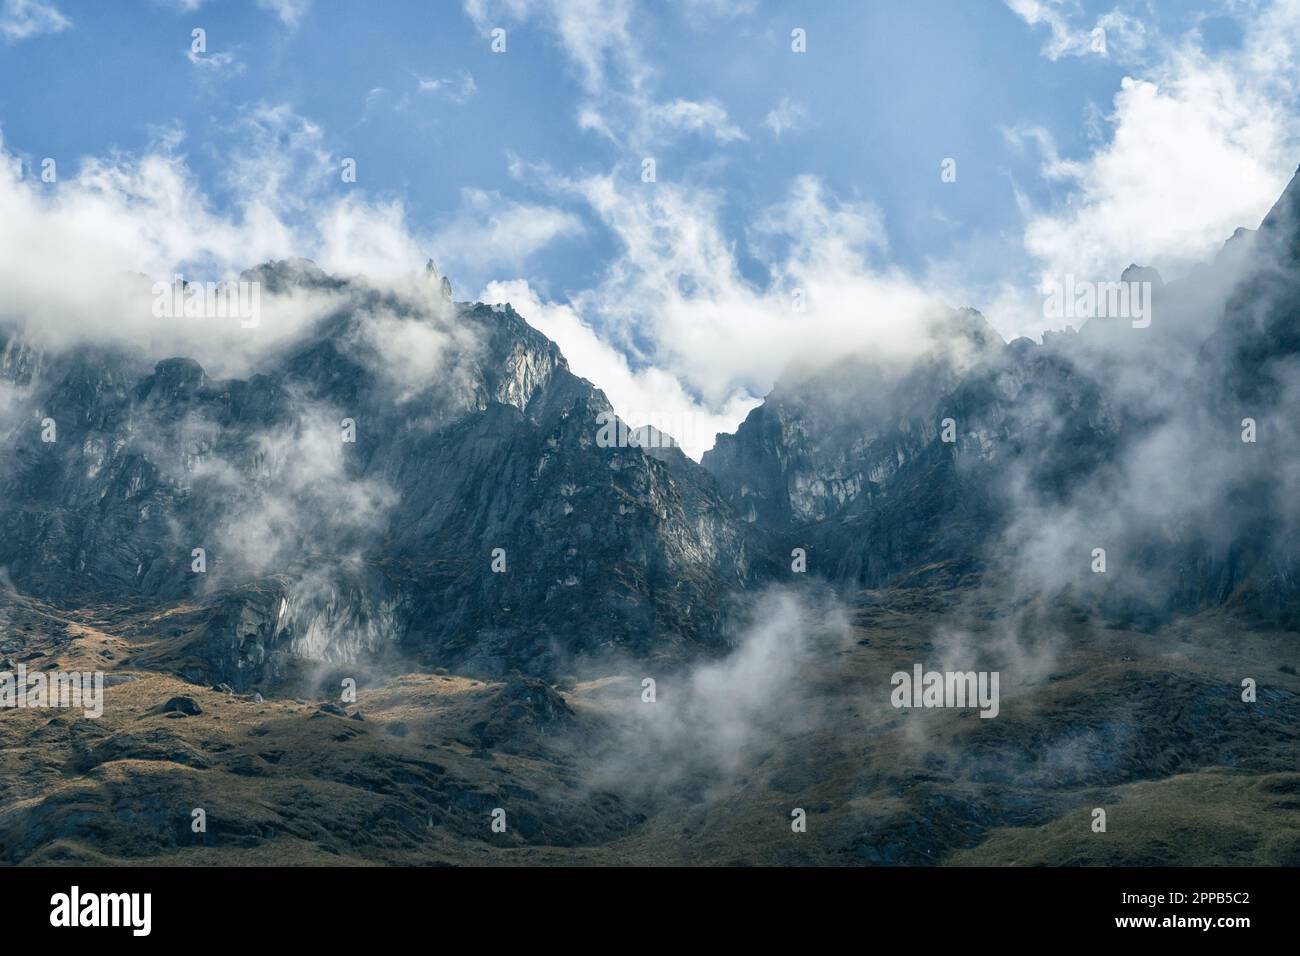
(709, 721)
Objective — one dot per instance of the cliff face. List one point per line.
(465, 515)
(1121, 436)
(885, 474)
(422, 479)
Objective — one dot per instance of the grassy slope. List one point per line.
(1150, 727)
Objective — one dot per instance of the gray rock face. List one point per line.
(881, 474)
(323, 549)
(435, 488)
(1122, 436)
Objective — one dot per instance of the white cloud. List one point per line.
(599, 38)
(374, 240)
(490, 231)
(79, 261)
(675, 327)
(278, 159)
(643, 396)
(457, 89)
(596, 35)
(1114, 34)
(63, 254)
(290, 12)
(689, 116)
(787, 115)
(413, 352)
(1198, 146)
(214, 64)
(22, 19)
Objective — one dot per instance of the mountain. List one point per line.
(415, 479)
(853, 462)
(420, 495)
(1123, 436)
(335, 551)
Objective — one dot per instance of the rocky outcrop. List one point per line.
(1127, 434)
(338, 506)
(425, 479)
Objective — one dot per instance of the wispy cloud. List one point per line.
(215, 64)
(490, 231)
(596, 35)
(787, 115)
(1113, 35)
(618, 79)
(1194, 146)
(290, 12)
(690, 116)
(78, 262)
(23, 19)
(696, 337)
(458, 89)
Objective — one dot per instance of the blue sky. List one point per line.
(521, 171)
